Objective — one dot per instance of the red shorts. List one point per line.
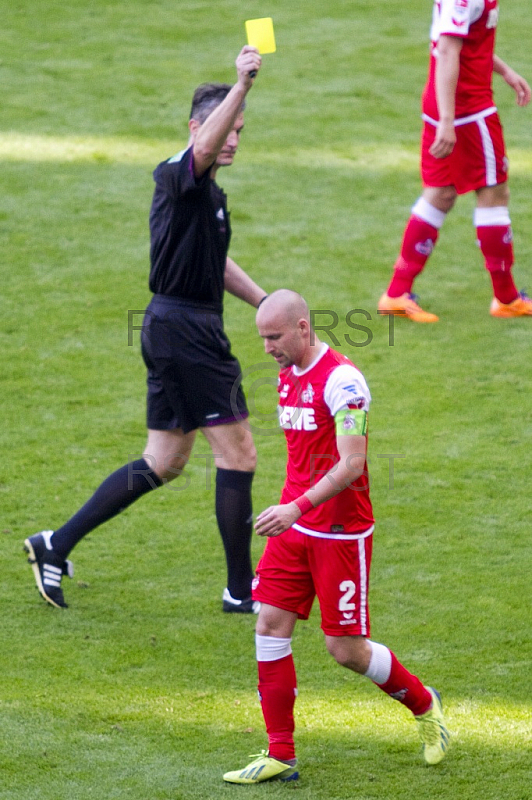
(295, 567)
(478, 159)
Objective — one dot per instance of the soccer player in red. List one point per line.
(462, 150)
(319, 539)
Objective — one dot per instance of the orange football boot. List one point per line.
(405, 306)
(520, 307)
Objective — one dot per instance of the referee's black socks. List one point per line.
(116, 493)
(235, 520)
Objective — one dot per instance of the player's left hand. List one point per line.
(274, 520)
(519, 85)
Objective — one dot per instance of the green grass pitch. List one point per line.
(142, 689)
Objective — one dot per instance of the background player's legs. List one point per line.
(419, 239)
(235, 458)
(164, 458)
(494, 236)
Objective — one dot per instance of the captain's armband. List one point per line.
(351, 422)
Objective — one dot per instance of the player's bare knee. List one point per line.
(498, 195)
(275, 622)
(264, 629)
(349, 652)
(441, 197)
(336, 649)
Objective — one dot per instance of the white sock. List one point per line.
(380, 665)
(428, 213)
(495, 215)
(271, 648)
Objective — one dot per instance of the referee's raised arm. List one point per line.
(209, 137)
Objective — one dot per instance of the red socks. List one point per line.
(494, 235)
(504, 288)
(418, 243)
(405, 687)
(277, 692)
(495, 242)
(419, 239)
(278, 689)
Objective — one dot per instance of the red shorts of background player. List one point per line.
(295, 567)
(478, 159)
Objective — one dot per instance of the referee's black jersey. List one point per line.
(190, 233)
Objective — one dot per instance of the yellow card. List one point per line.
(260, 34)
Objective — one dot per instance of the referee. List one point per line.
(193, 378)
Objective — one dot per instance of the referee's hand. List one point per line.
(248, 63)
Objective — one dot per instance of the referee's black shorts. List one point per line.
(193, 379)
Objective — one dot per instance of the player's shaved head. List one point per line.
(283, 321)
(284, 304)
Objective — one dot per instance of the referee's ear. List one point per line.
(193, 126)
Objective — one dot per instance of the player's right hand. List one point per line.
(248, 63)
(444, 142)
(274, 520)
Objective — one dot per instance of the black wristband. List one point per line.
(262, 301)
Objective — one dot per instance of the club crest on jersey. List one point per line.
(308, 395)
(461, 3)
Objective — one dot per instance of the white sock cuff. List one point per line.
(496, 215)
(270, 648)
(428, 213)
(380, 665)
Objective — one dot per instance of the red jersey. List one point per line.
(475, 22)
(308, 402)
